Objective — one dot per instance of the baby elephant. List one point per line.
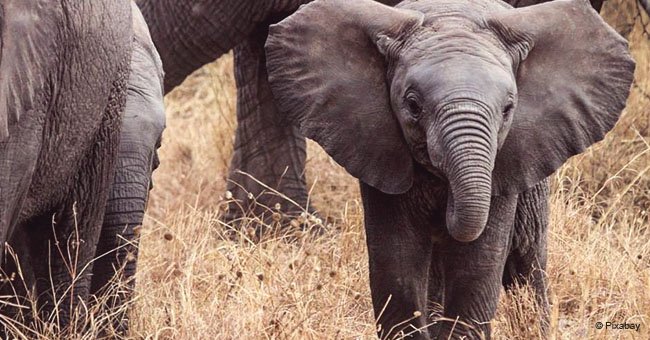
(452, 113)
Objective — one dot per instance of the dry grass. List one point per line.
(194, 283)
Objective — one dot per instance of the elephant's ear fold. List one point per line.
(28, 34)
(573, 82)
(328, 76)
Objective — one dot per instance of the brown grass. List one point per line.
(194, 283)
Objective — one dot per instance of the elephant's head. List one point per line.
(490, 98)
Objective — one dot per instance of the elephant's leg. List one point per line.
(73, 235)
(142, 126)
(526, 263)
(436, 287)
(267, 147)
(473, 274)
(117, 249)
(399, 256)
(65, 283)
(20, 269)
(189, 35)
(18, 161)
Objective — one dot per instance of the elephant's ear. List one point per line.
(28, 34)
(328, 76)
(573, 83)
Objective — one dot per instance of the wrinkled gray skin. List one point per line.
(452, 113)
(190, 34)
(65, 105)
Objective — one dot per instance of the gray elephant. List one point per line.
(452, 113)
(75, 77)
(190, 34)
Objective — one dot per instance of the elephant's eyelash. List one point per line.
(507, 110)
(413, 106)
(412, 103)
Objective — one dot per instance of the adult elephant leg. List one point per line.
(20, 271)
(267, 148)
(76, 226)
(142, 126)
(189, 35)
(18, 161)
(399, 254)
(526, 263)
(473, 273)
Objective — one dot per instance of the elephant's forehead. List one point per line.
(460, 75)
(457, 60)
(434, 9)
(457, 27)
(456, 42)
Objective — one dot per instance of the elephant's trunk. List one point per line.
(468, 142)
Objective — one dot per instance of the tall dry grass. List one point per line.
(194, 282)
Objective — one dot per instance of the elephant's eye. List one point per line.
(507, 110)
(413, 106)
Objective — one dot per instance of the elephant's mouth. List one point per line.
(421, 156)
(437, 173)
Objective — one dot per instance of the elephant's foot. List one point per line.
(447, 328)
(256, 193)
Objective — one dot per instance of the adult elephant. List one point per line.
(452, 114)
(72, 74)
(189, 34)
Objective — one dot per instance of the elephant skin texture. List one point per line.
(68, 72)
(452, 114)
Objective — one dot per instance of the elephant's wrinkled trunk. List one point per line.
(467, 140)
